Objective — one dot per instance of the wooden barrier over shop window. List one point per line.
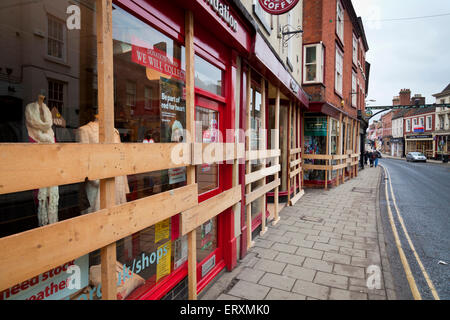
(262, 154)
(295, 171)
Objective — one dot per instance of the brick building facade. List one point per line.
(335, 75)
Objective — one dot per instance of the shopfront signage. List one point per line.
(277, 7)
(159, 61)
(428, 136)
(50, 285)
(294, 86)
(223, 11)
(316, 127)
(208, 265)
(419, 129)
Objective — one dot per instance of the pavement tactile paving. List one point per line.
(320, 249)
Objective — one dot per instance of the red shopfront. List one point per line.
(215, 77)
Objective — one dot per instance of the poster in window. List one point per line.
(163, 266)
(173, 119)
(162, 230)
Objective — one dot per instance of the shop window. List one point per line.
(44, 103)
(56, 37)
(149, 76)
(315, 139)
(313, 65)
(208, 77)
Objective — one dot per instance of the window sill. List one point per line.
(56, 60)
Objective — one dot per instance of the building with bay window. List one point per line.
(335, 75)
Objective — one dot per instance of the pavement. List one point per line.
(325, 247)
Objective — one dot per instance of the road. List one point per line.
(422, 196)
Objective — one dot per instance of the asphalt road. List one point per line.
(422, 192)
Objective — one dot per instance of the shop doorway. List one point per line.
(209, 119)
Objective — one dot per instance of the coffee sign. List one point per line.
(277, 7)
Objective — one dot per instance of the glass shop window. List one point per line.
(48, 94)
(315, 138)
(46, 97)
(149, 107)
(208, 77)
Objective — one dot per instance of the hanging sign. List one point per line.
(277, 7)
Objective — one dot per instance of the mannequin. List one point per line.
(39, 126)
(89, 133)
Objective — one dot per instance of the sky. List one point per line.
(411, 53)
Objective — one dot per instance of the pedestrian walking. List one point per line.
(366, 157)
(371, 158)
(375, 158)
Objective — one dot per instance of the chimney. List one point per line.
(396, 101)
(405, 97)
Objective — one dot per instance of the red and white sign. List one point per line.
(277, 7)
(159, 61)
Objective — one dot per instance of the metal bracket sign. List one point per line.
(277, 7)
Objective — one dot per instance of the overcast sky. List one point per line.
(409, 53)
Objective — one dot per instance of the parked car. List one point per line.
(416, 156)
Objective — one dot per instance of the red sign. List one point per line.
(277, 7)
(159, 61)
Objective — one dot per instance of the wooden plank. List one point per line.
(339, 166)
(339, 157)
(47, 247)
(277, 159)
(295, 151)
(251, 155)
(249, 198)
(296, 162)
(263, 146)
(216, 152)
(295, 172)
(317, 156)
(264, 172)
(106, 135)
(248, 187)
(297, 197)
(208, 209)
(289, 148)
(44, 165)
(307, 166)
(190, 127)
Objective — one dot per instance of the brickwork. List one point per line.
(319, 18)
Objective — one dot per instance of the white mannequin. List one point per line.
(89, 133)
(39, 126)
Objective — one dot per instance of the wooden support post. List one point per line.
(106, 135)
(358, 150)
(263, 146)
(302, 143)
(345, 147)
(326, 151)
(277, 159)
(299, 146)
(190, 128)
(289, 153)
(248, 188)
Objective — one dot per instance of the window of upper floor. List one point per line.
(313, 63)
(355, 50)
(354, 90)
(340, 21)
(339, 71)
(408, 125)
(429, 122)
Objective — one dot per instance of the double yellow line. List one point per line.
(409, 275)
